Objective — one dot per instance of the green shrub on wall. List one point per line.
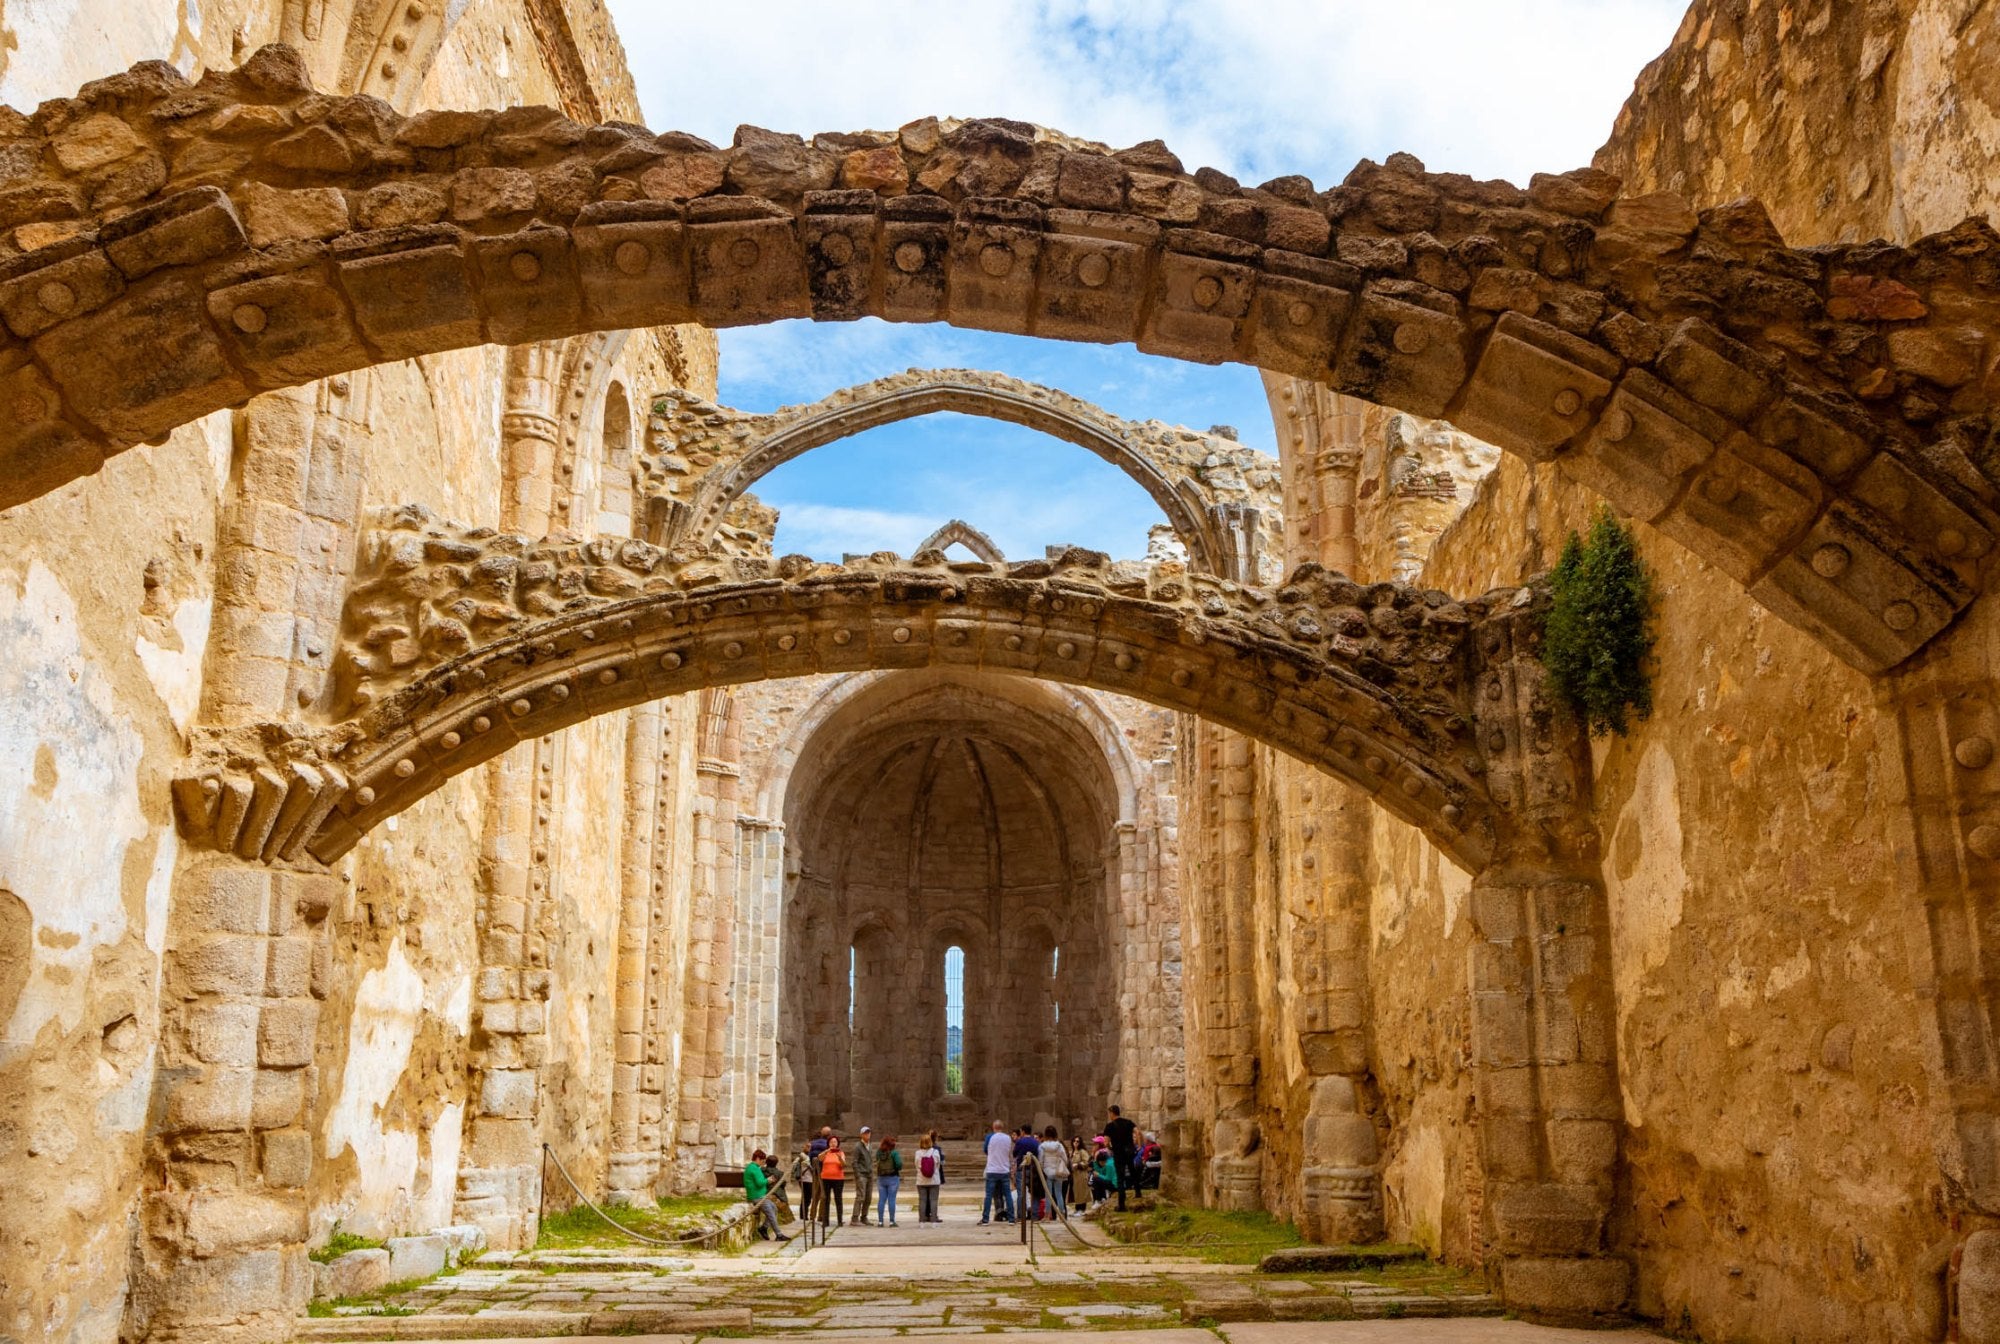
(1598, 643)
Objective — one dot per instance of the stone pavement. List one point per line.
(954, 1277)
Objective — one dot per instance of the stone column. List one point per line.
(220, 1253)
(635, 1164)
(1216, 921)
(1543, 1017)
(500, 1166)
(1340, 1179)
(529, 436)
(703, 1030)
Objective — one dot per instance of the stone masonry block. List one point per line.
(277, 1098)
(226, 964)
(416, 1257)
(233, 900)
(1566, 1289)
(509, 1093)
(355, 1274)
(288, 1157)
(290, 968)
(1979, 1289)
(224, 1033)
(285, 1033)
(214, 1100)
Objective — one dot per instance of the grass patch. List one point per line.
(339, 1243)
(674, 1216)
(1215, 1235)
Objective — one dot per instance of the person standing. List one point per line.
(999, 1170)
(833, 1175)
(757, 1193)
(930, 1179)
(1123, 1136)
(863, 1162)
(1079, 1174)
(888, 1180)
(804, 1165)
(1055, 1167)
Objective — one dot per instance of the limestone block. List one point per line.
(355, 1274)
(1565, 1288)
(1979, 1289)
(463, 1241)
(285, 1033)
(272, 215)
(288, 1157)
(224, 1033)
(230, 964)
(417, 1257)
(509, 1093)
(234, 1220)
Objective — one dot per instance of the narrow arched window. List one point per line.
(954, 1021)
(1055, 978)
(614, 511)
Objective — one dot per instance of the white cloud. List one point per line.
(1258, 89)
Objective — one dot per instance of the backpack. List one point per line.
(927, 1164)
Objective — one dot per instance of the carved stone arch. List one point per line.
(742, 448)
(961, 533)
(457, 644)
(1690, 366)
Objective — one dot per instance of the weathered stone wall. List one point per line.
(112, 589)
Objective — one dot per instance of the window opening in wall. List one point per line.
(614, 514)
(1055, 971)
(954, 1021)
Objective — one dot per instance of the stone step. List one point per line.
(1371, 1303)
(492, 1324)
(1338, 1259)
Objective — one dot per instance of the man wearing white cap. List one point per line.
(863, 1157)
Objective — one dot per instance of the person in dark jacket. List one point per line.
(1123, 1136)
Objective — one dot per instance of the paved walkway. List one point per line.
(954, 1277)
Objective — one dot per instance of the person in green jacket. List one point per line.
(757, 1192)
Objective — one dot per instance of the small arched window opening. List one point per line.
(614, 511)
(954, 1021)
(1055, 979)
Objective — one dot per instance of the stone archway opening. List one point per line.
(952, 841)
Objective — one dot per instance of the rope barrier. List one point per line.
(550, 1153)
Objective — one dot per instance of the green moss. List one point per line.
(1213, 1234)
(1597, 642)
(674, 1216)
(339, 1243)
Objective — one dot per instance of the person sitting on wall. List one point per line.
(1151, 1159)
(757, 1192)
(1103, 1174)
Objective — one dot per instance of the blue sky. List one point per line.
(1258, 88)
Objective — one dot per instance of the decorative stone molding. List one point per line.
(1813, 422)
(457, 643)
(1222, 499)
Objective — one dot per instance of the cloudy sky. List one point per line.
(1257, 88)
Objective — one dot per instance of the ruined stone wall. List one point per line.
(142, 605)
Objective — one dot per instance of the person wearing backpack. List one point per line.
(930, 1179)
(888, 1180)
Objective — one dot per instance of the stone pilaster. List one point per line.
(635, 1162)
(1543, 1018)
(221, 1249)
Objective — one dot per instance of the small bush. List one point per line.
(1598, 641)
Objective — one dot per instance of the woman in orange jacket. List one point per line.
(833, 1173)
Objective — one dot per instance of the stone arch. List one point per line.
(743, 448)
(1809, 421)
(960, 533)
(456, 644)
